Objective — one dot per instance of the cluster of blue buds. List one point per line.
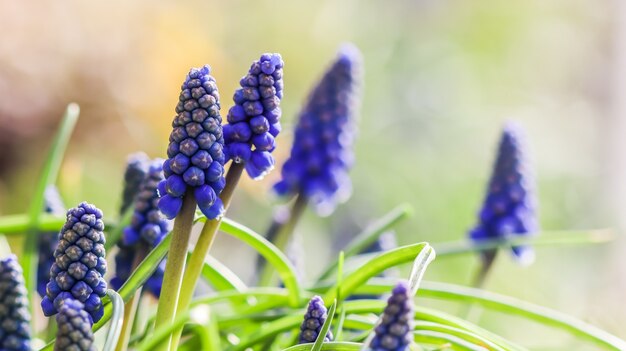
(321, 155)
(510, 205)
(47, 242)
(80, 265)
(147, 229)
(314, 319)
(196, 150)
(136, 168)
(14, 313)
(254, 120)
(74, 325)
(395, 329)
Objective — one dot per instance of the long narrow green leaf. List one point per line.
(329, 346)
(266, 249)
(446, 341)
(220, 277)
(317, 346)
(29, 256)
(376, 266)
(370, 235)
(117, 319)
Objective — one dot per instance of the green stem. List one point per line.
(173, 276)
(130, 309)
(283, 234)
(202, 247)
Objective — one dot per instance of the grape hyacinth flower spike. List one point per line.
(314, 319)
(147, 229)
(74, 325)
(509, 208)
(254, 120)
(80, 264)
(196, 149)
(136, 169)
(14, 312)
(47, 242)
(394, 331)
(321, 155)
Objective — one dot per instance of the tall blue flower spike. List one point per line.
(254, 120)
(314, 319)
(14, 312)
(509, 208)
(48, 241)
(195, 153)
(80, 264)
(74, 325)
(322, 155)
(147, 229)
(395, 330)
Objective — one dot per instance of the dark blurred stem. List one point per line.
(173, 276)
(130, 309)
(472, 312)
(283, 234)
(202, 247)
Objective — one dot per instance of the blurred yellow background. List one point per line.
(440, 79)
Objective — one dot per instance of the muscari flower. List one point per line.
(74, 323)
(136, 168)
(80, 264)
(321, 154)
(14, 313)
(195, 153)
(147, 229)
(395, 329)
(509, 208)
(47, 242)
(254, 120)
(314, 319)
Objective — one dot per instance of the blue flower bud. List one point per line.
(314, 319)
(196, 144)
(510, 204)
(14, 313)
(78, 256)
(256, 109)
(74, 327)
(321, 155)
(395, 330)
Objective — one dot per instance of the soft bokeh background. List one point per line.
(441, 78)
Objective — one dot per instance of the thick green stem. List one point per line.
(173, 276)
(202, 247)
(130, 309)
(283, 234)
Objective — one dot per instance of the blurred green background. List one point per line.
(441, 77)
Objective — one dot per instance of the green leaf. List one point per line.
(330, 346)
(29, 257)
(370, 235)
(220, 277)
(377, 265)
(266, 249)
(117, 320)
(421, 262)
(317, 346)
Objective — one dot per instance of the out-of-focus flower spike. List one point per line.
(74, 327)
(147, 229)
(136, 168)
(510, 204)
(254, 120)
(80, 263)
(14, 312)
(322, 155)
(48, 241)
(314, 319)
(196, 150)
(395, 329)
